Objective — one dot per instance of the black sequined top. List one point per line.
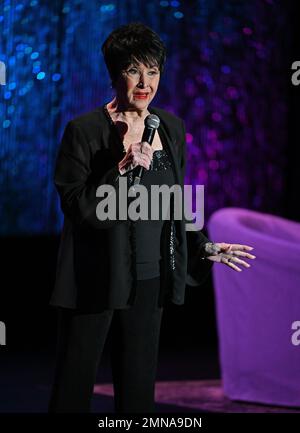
(148, 231)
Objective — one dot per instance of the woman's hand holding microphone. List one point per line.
(137, 154)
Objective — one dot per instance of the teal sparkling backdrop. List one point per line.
(225, 76)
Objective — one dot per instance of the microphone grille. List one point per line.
(152, 121)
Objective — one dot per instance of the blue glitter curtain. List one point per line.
(225, 76)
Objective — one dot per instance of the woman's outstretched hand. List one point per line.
(229, 254)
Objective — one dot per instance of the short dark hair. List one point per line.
(130, 44)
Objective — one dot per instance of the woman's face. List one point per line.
(137, 86)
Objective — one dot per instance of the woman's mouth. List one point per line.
(140, 95)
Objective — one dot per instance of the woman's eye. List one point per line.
(134, 71)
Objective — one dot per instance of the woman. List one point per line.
(119, 274)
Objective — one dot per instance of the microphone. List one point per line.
(151, 124)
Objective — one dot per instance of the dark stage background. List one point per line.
(228, 75)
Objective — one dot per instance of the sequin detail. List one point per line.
(172, 245)
(160, 160)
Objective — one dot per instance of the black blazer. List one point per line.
(96, 259)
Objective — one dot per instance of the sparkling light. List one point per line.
(41, 75)
(220, 78)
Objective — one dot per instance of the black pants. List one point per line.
(135, 341)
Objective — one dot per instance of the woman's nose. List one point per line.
(144, 80)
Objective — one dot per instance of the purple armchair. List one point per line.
(256, 308)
